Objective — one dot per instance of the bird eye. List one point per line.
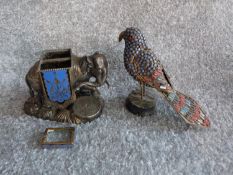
(130, 38)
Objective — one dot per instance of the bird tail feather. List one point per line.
(187, 108)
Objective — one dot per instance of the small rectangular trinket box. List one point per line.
(58, 137)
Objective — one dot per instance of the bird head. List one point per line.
(132, 36)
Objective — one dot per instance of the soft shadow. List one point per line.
(35, 140)
(12, 103)
(164, 118)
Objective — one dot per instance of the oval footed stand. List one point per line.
(140, 106)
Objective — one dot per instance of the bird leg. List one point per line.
(142, 90)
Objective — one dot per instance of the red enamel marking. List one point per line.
(156, 73)
(180, 103)
(206, 122)
(146, 79)
(196, 114)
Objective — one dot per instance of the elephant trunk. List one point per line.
(101, 79)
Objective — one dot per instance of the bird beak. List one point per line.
(121, 36)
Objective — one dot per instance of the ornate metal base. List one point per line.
(84, 109)
(136, 105)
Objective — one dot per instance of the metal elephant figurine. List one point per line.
(63, 87)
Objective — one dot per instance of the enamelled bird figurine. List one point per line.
(143, 65)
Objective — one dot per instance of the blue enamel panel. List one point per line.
(188, 102)
(57, 85)
(172, 96)
(184, 110)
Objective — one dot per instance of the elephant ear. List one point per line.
(89, 62)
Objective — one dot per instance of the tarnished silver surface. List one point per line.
(58, 137)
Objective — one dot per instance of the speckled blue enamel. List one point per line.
(57, 85)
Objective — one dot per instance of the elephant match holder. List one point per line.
(59, 80)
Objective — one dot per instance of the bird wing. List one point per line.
(149, 71)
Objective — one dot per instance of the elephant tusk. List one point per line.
(107, 83)
(86, 84)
